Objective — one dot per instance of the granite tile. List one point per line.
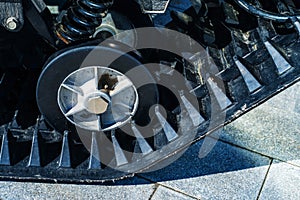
(283, 182)
(297, 103)
(268, 130)
(165, 193)
(24, 191)
(272, 129)
(295, 162)
(227, 172)
(287, 100)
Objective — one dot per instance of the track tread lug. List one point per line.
(34, 158)
(4, 153)
(141, 142)
(250, 80)
(65, 159)
(94, 159)
(167, 128)
(194, 114)
(281, 63)
(119, 154)
(223, 101)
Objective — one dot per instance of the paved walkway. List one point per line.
(256, 157)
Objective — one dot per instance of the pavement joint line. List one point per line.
(265, 179)
(253, 151)
(241, 147)
(157, 184)
(178, 191)
(288, 162)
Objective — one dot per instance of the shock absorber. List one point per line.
(81, 19)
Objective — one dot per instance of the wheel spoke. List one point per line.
(121, 86)
(99, 123)
(96, 77)
(76, 109)
(122, 108)
(73, 88)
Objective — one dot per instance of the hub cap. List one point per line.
(97, 98)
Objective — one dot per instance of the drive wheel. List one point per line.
(105, 99)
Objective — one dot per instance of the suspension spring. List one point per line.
(81, 19)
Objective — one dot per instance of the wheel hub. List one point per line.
(97, 104)
(97, 98)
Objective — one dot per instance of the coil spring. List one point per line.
(81, 19)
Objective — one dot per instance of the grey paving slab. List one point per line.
(288, 100)
(227, 172)
(24, 191)
(297, 105)
(272, 129)
(165, 193)
(283, 182)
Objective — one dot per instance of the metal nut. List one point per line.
(97, 105)
(11, 23)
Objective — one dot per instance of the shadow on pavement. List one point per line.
(223, 158)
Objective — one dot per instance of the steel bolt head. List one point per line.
(97, 105)
(11, 23)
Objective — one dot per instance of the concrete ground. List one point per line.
(255, 157)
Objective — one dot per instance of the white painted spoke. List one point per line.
(96, 77)
(121, 86)
(73, 88)
(99, 122)
(76, 109)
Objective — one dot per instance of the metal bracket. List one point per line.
(11, 16)
(154, 6)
